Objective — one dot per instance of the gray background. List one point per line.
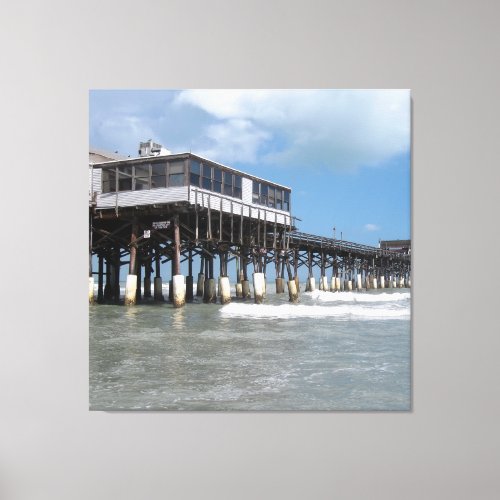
(51, 447)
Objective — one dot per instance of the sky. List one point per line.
(344, 153)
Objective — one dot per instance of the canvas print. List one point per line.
(249, 250)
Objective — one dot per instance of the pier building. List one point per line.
(161, 207)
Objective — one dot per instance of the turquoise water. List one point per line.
(333, 351)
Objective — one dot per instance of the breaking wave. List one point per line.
(360, 312)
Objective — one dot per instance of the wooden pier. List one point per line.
(151, 210)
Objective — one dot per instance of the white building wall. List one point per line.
(246, 190)
(146, 197)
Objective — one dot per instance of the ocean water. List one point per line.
(332, 351)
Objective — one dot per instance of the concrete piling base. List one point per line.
(245, 289)
(332, 284)
(349, 285)
(280, 285)
(91, 290)
(178, 290)
(358, 282)
(239, 290)
(401, 282)
(375, 284)
(297, 283)
(337, 284)
(382, 282)
(310, 284)
(324, 283)
(258, 287)
(225, 290)
(131, 290)
(209, 292)
(293, 294)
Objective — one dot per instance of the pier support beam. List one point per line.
(189, 278)
(100, 280)
(225, 290)
(310, 284)
(293, 294)
(178, 290)
(91, 290)
(324, 281)
(358, 282)
(178, 283)
(280, 285)
(131, 285)
(258, 287)
(158, 284)
(108, 288)
(245, 289)
(131, 290)
(209, 292)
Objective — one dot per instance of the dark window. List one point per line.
(237, 186)
(256, 192)
(125, 178)
(195, 173)
(228, 184)
(176, 174)
(206, 180)
(141, 177)
(279, 197)
(263, 194)
(158, 175)
(217, 182)
(108, 180)
(286, 202)
(270, 196)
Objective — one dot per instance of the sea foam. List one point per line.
(361, 312)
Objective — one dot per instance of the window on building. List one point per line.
(176, 173)
(271, 197)
(158, 175)
(256, 192)
(279, 198)
(286, 201)
(195, 173)
(141, 177)
(263, 194)
(206, 180)
(125, 178)
(109, 180)
(228, 184)
(237, 186)
(217, 180)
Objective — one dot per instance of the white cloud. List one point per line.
(124, 131)
(238, 138)
(325, 128)
(372, 227)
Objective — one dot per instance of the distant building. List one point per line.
(403, 246)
